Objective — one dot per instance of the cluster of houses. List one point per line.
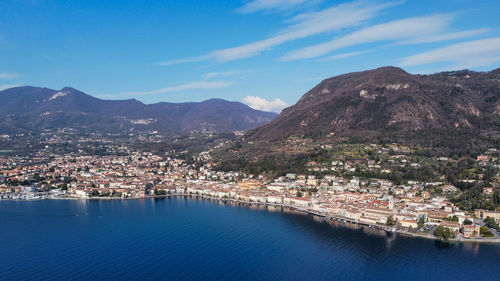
(370, 208)
(82, 176)
(140, 174)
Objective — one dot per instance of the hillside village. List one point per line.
(326, 189)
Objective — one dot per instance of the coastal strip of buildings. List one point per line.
(141, 174)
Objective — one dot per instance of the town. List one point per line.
(411, 207)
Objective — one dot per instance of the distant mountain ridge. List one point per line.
(33, 109)
(389, 101)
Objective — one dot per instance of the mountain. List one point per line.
(33, 109)
(213, 114)
(390, 103)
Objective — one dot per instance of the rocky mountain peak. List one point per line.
(388, 99)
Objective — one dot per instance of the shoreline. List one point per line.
(292, 207)
(341, 219)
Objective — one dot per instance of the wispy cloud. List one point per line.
(273, 5)
(301, 26)
(468, 54)
(446, 36)
(8, 76)
(410, 28)
(196, 85)
(181, 61)
(344, 55)
(276, 105)
(8, 86)
(211, 75)
(305, 25)
(203, 84)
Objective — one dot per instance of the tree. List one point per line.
(95, 193)
(490, 222)
(37, 178)
(299, 194)
(468, 222)
(485, 232)
(421, 222)
(454, 218)
(444, 233)
(390, 221)
(160, 192)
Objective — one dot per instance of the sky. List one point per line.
(265, 53)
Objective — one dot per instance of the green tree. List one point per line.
(490, 222)
(485, 232)
(390, 221)
(454, 218)
(37, 178)
(299, 194)
(421, 222)
(160, 192)
(444, 233)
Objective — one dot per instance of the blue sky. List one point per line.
(266, 53)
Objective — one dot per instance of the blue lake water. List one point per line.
(194, 239)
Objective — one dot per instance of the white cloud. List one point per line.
(417, 27)
(196, 85)
(204, 84)
(344, 55)
(305, 25)
(8, 76)
(447, 36)
(469, 54)
(8, 86)
(276, 105)
(301, 26)
(181, 61)
(211, 75)
(262, 5)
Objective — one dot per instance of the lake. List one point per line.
(195, 239)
